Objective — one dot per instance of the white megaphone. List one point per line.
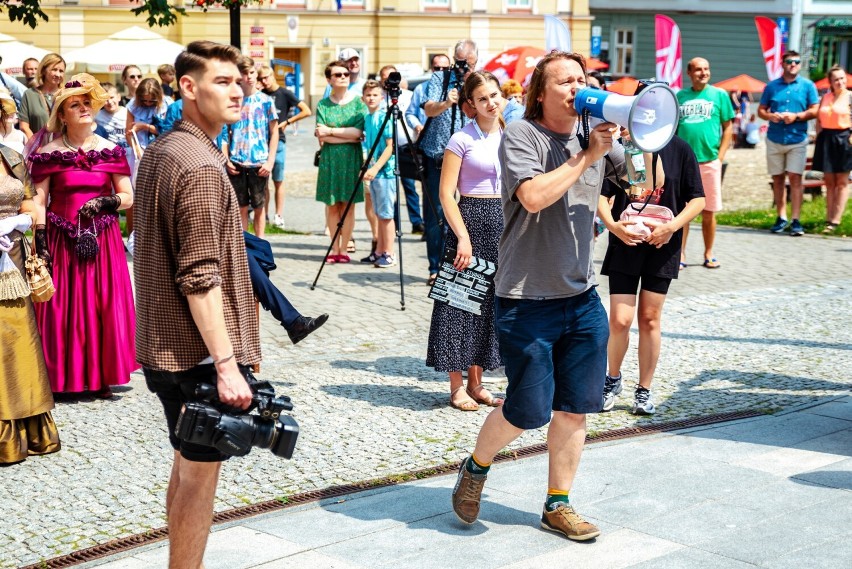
(650, 117)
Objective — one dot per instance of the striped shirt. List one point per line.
(188, 241)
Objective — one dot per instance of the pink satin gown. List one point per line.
(88, 327)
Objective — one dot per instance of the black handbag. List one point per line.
(407, 166)
(317, 157)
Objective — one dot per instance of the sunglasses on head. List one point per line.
(340, 74)
(148, 102)
(792, 61)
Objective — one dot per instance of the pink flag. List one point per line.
(669, 57)
(770, 43)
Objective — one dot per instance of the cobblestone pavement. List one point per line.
(767, 331)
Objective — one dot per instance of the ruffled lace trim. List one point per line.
(70, 228)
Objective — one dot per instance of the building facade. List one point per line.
(312, 32)
(722, 31)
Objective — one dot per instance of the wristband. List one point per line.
(223, 360)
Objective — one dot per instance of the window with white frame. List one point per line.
(623, 50)
(436, 3)
(519, 4)
(353, 3)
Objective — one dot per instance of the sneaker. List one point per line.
(371, 258)
(796, 229)
(279, 222)
(612, 388)
(468, 493)
(780, 225)
(385, 261)
(642, 404)
(563, 519)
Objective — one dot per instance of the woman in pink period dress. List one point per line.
(88, 327)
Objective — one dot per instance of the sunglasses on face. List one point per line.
(440, 67)
(147, 102)
(134, 77)
(340, 74)
(792, 61)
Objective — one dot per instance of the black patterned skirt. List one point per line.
(459, 339)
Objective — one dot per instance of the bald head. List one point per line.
(698, 70)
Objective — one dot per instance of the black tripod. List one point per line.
(393, 113)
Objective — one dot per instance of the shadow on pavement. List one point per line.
(768, 341)
(394, 366)
(429, 508)
(841, 479)
(401, 396)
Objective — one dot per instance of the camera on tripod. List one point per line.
(392, 85)
(210, 422)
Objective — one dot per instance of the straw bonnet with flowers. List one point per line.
(86, 179)
(80, 84)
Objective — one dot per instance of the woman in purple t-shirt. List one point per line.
(460, 340)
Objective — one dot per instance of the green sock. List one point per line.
(555, 496)
(475, 467)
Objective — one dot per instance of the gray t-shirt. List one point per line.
(546, 254)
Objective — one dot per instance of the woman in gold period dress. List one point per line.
(26, 425)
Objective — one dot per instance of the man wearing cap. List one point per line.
(353, 62)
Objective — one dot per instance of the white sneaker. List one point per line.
(279, 222)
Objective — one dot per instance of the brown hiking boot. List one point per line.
(468, 493)
(563, 519)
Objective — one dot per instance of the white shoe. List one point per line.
(131, 240)
(279, 222)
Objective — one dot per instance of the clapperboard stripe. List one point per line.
(466, 289)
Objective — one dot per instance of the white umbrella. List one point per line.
(133, 46)
(15, 52)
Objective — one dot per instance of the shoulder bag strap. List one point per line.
(444, 92)
(653, 183)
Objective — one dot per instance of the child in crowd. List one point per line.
(167, 77)
(113, 117)
(380, 174)
(250, 161)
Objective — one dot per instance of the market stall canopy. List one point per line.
(133, 46)
(624, 86)
(516, 63)
(15, 52)
(593, 64)
(742, 82)
(823, 84)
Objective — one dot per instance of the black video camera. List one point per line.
(460, 68)
(392, 85)
(231, 431)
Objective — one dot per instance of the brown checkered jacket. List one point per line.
(188, 240)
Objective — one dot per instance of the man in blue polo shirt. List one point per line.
(788, 103)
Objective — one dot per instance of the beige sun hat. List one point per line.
(7, 102)
(80, 84)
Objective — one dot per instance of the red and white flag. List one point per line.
(770, 42)
(669, 56)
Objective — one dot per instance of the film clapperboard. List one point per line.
(465, 289)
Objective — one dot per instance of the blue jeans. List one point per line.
(412, 201)
(555, 356)
(434, 235)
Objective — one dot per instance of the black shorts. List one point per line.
(621, 283)
(176, 388)
(249, 186)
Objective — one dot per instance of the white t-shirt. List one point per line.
(114, 124)
(14, 140)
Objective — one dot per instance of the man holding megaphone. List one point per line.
(553, 329)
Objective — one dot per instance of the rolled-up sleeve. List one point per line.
(199, 216)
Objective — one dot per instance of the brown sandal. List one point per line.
(488, 400)
(464, 404)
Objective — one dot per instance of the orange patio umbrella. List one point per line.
(824, 85)
(593, 64)
(624, 86)
(742, 82)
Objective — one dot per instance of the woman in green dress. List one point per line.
(38, 101)
(340, 122)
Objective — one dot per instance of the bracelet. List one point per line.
(223, 360)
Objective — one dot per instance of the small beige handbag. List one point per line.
(39, 279)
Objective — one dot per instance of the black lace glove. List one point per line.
(96, 205)
(40, 237)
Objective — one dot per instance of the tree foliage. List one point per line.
(157, 12)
